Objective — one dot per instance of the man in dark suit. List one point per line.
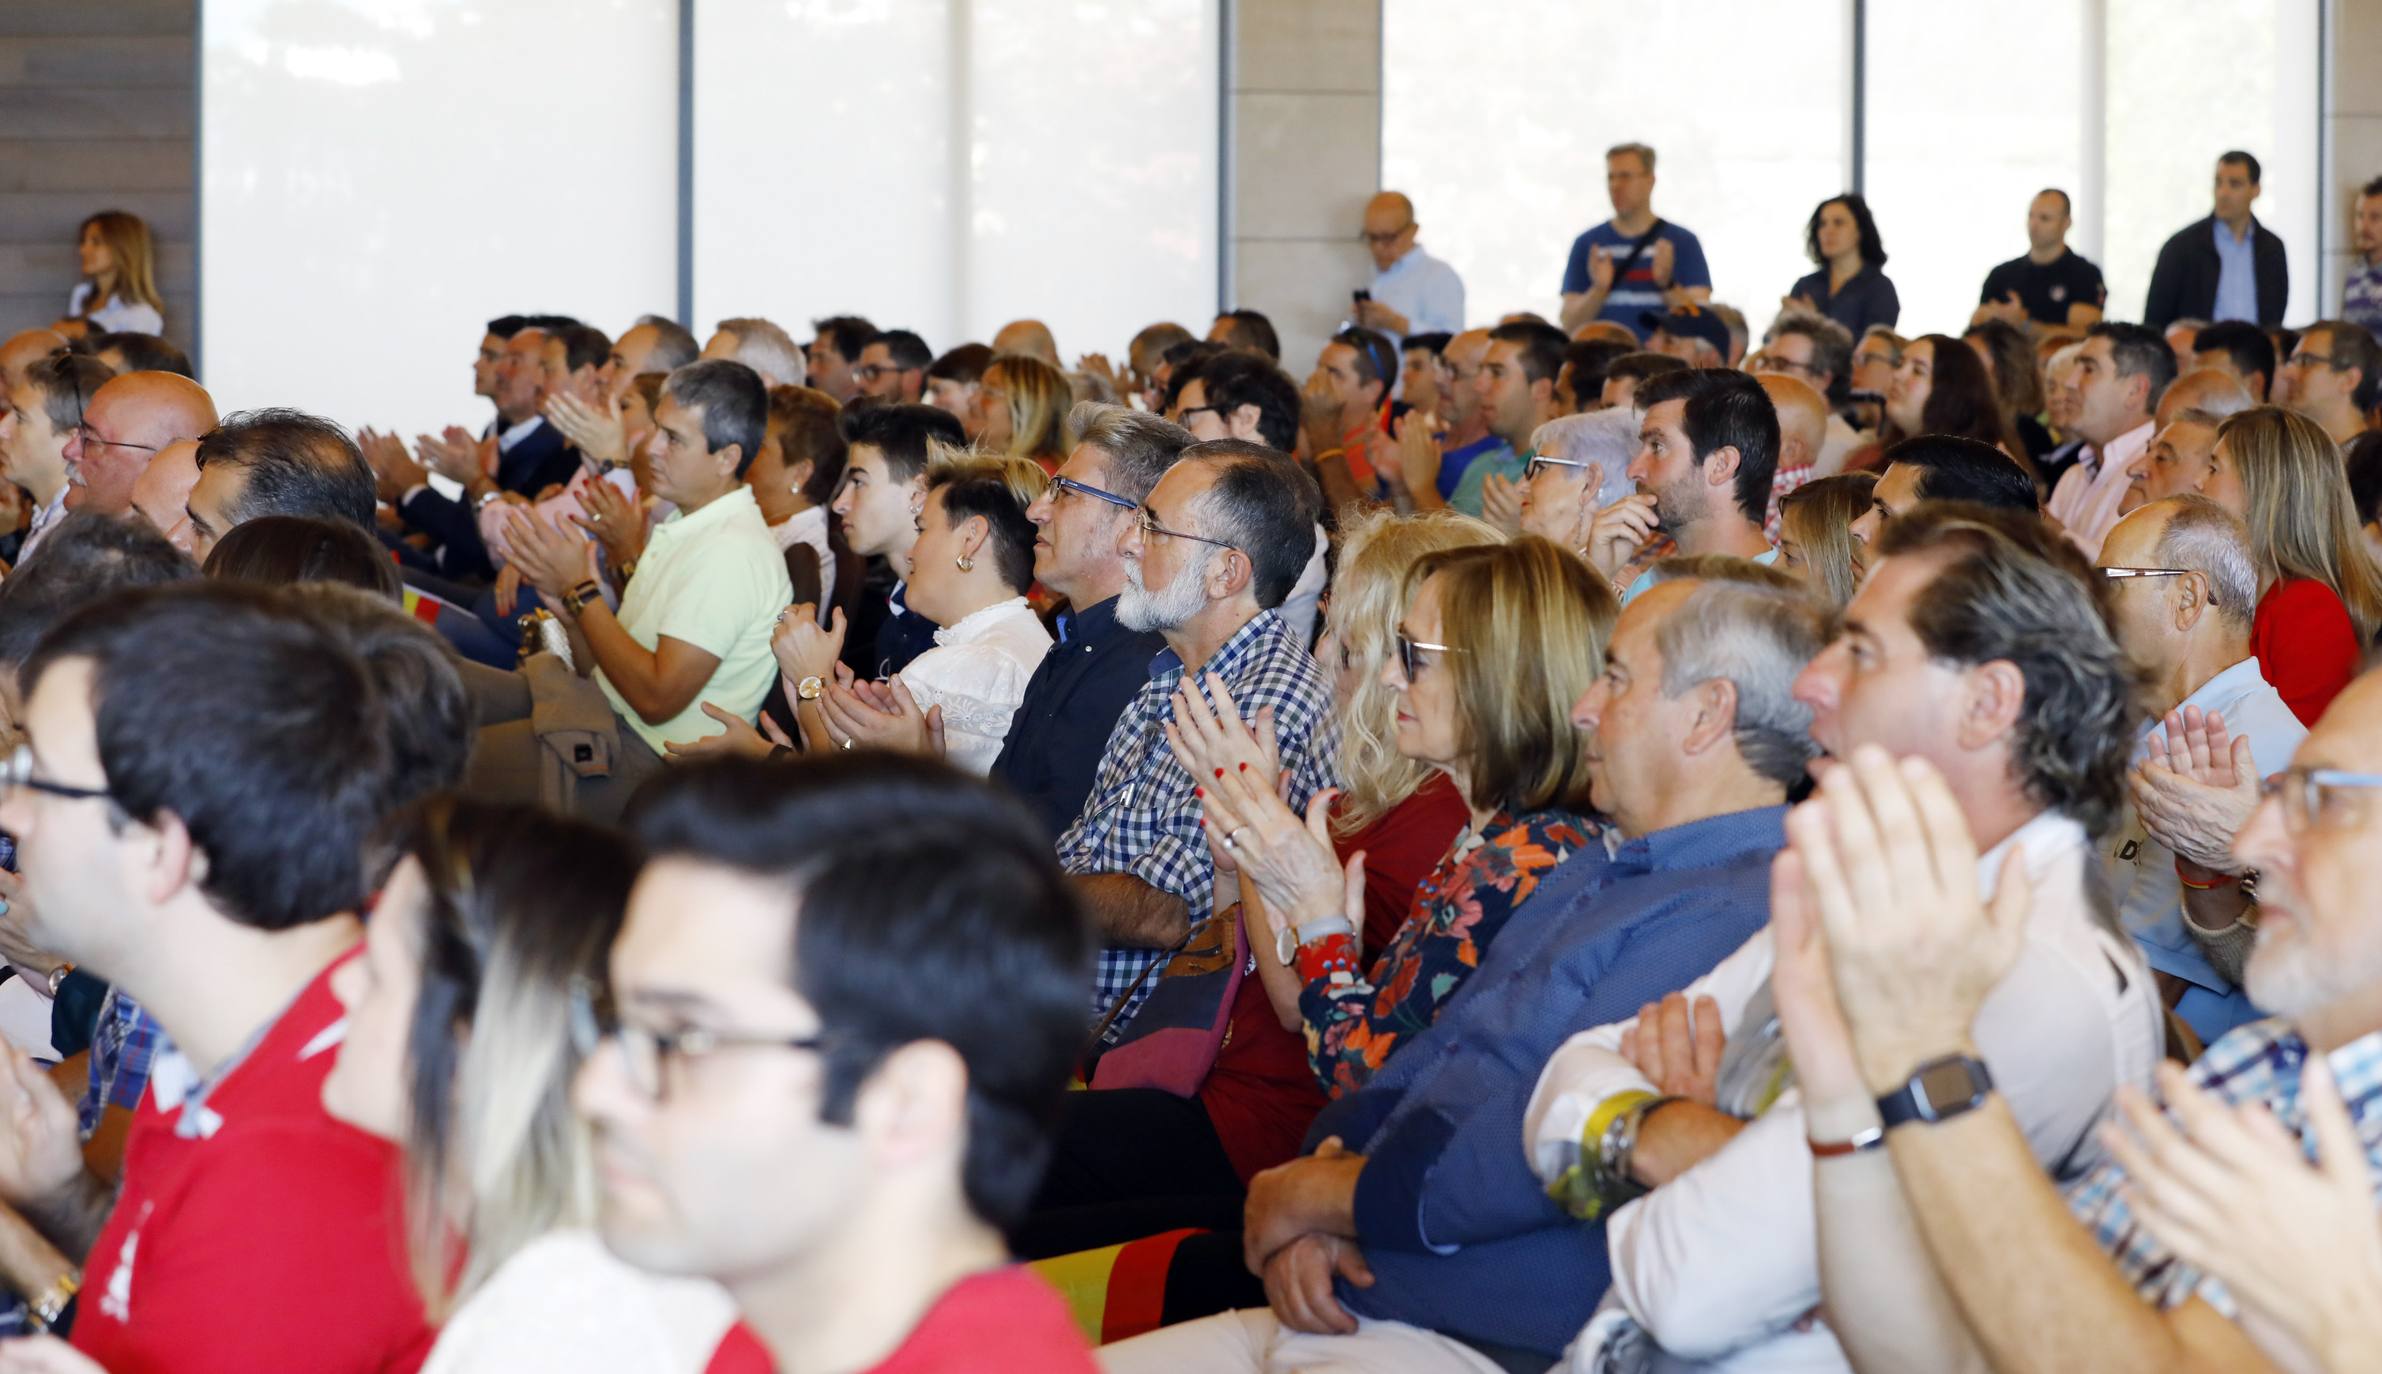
(2225, 267)
(531, 455)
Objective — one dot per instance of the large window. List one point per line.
(382, 176)
(1968, 110)
(949, 165)
(1743, 101)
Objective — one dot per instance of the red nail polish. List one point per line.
(1244, 768)
(1199, 792)
(1219, 772)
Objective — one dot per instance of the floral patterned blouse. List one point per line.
(1352, 1027)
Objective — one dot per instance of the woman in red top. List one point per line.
(2322, 603)
(1135, 1161)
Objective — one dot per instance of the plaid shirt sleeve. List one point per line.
(2259, 1062)
(123, 1046)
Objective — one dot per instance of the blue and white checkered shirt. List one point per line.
(1141, 818)
(2259, 1062)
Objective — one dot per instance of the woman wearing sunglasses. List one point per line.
(1495, 644)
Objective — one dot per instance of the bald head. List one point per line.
(129, 419)
(1605, 331)
(2219, 393)
(1802, 419)
(24, 349)
(1030, 337)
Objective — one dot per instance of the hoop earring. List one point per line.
(964, 563)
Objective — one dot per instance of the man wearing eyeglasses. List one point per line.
(2182, 589)
(893, 367)
(215, 883)
(128, 421)
(1214, 550)
(1411, 292)
(1098, 665)
(44, 407)
(2330, 377)
(801, 1080)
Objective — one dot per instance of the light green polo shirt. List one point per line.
(1501, 460)
(717, 580)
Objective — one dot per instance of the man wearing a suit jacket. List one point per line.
(531, 456)
(2225, 267)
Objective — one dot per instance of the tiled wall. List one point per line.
(96, 112)
(1304, 107)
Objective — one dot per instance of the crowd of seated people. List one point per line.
(1607, 841)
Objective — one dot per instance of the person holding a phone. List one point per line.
(1411, 292)
(1636, 261)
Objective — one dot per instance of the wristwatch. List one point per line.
(1289, 938)
(575, 600)
(1938, 1090)
(810, 687)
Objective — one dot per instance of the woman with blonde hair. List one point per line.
(461, 1048)
(1494, 644)
(2321, 592)
(1021, 410)
(1815, 532)
(118, 289)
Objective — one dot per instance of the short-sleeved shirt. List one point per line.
(1500, 461)
(1634, 291)
(253, 1231)
(1866, 298)
(1425, 290)
(1005, 1322)
(2142, 871)
(716, 580)
(2361, 298)
(2046, 289)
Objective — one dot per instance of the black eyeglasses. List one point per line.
(1075, 488)
(92, 438)
(1383, 240)
(17, 771)
(1150, 526)
(1183, 417)
(2303, 359)
(1411, 651)
(648, 1054)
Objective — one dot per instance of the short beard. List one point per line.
(1142, 610)
(2293, 977)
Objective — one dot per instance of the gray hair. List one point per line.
(2205, 538)
(1740, 334)
(1607, 439)
(1639, 151)
(673, 349)
(1140, 446)
(768, 350)
(1755, 627)
(2213, 410)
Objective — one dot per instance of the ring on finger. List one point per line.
(1233, 840)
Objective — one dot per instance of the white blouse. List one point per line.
(810, 527)
(118, 315)
(977, 672)
(564, 1302)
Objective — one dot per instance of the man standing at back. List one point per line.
(1412, 292)
(2225, 267)
(2050, 283)
(213, 876)
(1634, 262)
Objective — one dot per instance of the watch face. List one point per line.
(1947, 1085)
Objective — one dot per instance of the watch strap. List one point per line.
(1916, 1100)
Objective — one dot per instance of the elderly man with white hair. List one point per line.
(761, 346)
(1579, 465)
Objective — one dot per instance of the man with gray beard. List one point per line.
(1214, 548)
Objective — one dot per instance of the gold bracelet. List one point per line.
(43, 1312)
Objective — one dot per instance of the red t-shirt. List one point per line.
(2306, 645)
(1003, 1322)
(271, 1238)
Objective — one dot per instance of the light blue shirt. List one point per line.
(2142, 876)
(1423, 289)
(1646, 579)
(2237, 274)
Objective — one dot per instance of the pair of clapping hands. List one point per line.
(1237, 776)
